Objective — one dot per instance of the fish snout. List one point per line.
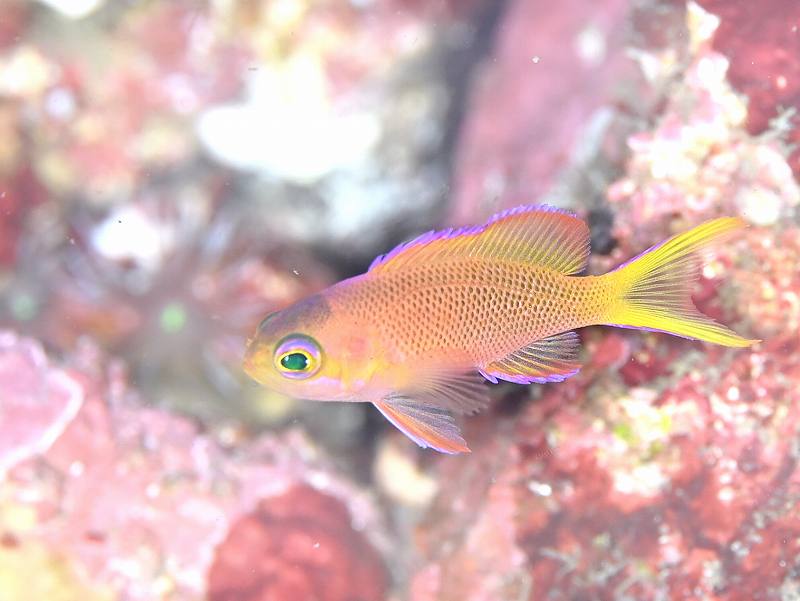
(252, 363)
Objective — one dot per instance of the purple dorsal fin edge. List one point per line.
(469, 230)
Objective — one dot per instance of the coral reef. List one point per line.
(155, 199)
(665, 469)
(124, 499)
(174, 283)
(549, 60)
(37, 403)
(763, 44)
(345, 115)
(699, 160)
(306, 549)
(170, 172)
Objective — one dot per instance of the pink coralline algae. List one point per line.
(763, 45)
(15, 16)
(470, 534)
(548, 77)
(37, 403)
(140, 503)
(686, 486)
(699, 161)
(305, 548)
(94, 134)
(105, 133)
(20, 191)
(762, 41)
(665, 469)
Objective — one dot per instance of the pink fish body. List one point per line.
(421, 331)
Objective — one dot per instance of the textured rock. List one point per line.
(551, 72)
(37, 402)
(762, 42)
(304, 548)
(140, 503)
(666, 469)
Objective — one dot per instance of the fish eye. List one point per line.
(298, 357)
(296, 361)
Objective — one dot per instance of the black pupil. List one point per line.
(295, 362)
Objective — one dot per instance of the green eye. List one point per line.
(298, 357)
(295, 361)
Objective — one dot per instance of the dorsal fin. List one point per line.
(540, 234)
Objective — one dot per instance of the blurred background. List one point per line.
(173, 170)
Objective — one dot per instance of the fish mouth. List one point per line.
(257, 363)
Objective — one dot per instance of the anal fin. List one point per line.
(463, 393)
(426, 425)
(551, 359)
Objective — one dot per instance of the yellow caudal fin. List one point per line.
(655, 288)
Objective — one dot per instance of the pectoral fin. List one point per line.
(461, 393)
(426, 425)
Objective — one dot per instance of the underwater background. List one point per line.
(171, 171)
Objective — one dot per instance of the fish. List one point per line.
(421, 332)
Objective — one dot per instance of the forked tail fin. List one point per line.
(654, 289)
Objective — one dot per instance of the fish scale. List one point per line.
(483, 309)
(430, 321)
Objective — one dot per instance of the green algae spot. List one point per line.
(173, 318)
(23, 306)
(625, 432)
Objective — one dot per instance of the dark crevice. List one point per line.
(459, 67)
(454, 62)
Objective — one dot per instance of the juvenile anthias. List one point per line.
(421, 331)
